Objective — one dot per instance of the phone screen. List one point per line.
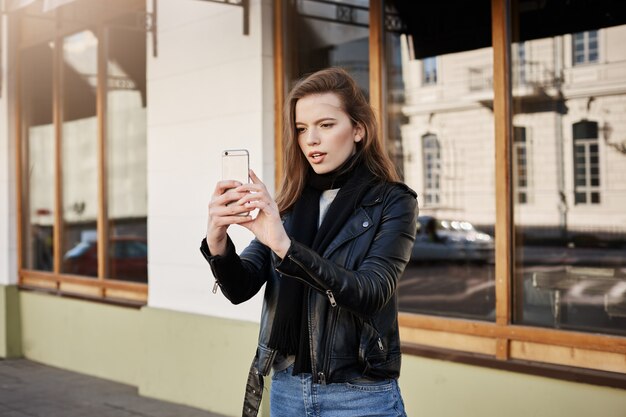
(235, 165)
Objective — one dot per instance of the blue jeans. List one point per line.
(298, 396)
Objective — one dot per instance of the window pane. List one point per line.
(451, 272)
(571, 242)
(322, 34)
(79, 153)
(429, 69)
(38, 152)
(126, 153)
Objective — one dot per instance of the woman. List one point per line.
(330, 250)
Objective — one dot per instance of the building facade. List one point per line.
(507, 117)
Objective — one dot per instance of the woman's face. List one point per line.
(325, 132)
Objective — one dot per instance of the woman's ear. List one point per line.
(359, 132)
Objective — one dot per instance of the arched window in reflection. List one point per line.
(586, 163)
(432, 169)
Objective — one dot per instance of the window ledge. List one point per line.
(565, 373)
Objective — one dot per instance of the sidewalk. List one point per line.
(29, 389)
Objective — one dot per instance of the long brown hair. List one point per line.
(337, 81)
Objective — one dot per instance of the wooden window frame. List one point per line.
(97, 288)
(570, 355)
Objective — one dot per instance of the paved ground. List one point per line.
(29, 389)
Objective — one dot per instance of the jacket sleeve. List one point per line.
(366, 290)
(239, 277)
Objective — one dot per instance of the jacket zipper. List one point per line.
(320, 289)
(321, 376)
(217, 284)
(329, 338)
(379, 339)
(331, 297)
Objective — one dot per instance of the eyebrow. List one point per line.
(323, 119)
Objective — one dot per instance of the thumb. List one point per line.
(254, 178)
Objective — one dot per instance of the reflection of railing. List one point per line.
(604, 287)
(528, 74)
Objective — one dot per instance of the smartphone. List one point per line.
(235, 165)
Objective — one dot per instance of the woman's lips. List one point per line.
(317, 157)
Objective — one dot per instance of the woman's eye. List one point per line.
(326, 125)
(299, 130)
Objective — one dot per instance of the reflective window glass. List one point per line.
(570, 270)
(440, 126)
(321, 34)
(127, 202)
(38, 150)
(79, 151)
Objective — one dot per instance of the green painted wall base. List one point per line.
(203, 362)
(10, 322)
(197, 360)
(437, 388)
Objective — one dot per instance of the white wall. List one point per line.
(210, 88)
(8, 246)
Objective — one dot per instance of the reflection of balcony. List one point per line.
(530, 80)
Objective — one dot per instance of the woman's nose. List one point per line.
(312, 138)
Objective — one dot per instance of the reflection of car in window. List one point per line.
(128, 257)
(453, 240)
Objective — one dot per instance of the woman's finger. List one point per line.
(222, 186)
(264, 206)
(254, 178)
(228, 220)
(228, 197)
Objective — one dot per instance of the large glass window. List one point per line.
(547, 173)
(443, 122)
(83, 147)
(570, 268)
(38, 145)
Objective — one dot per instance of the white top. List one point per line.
(326, 199)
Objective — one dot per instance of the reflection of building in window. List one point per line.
(585, 47)
(429, 70)
(432, 168)
(586, 163)
(91, 72)
(519, 68)
(520, 163)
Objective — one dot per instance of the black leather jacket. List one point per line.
(353, 309)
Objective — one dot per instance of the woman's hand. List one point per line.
(267, 226)
(222, 215)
